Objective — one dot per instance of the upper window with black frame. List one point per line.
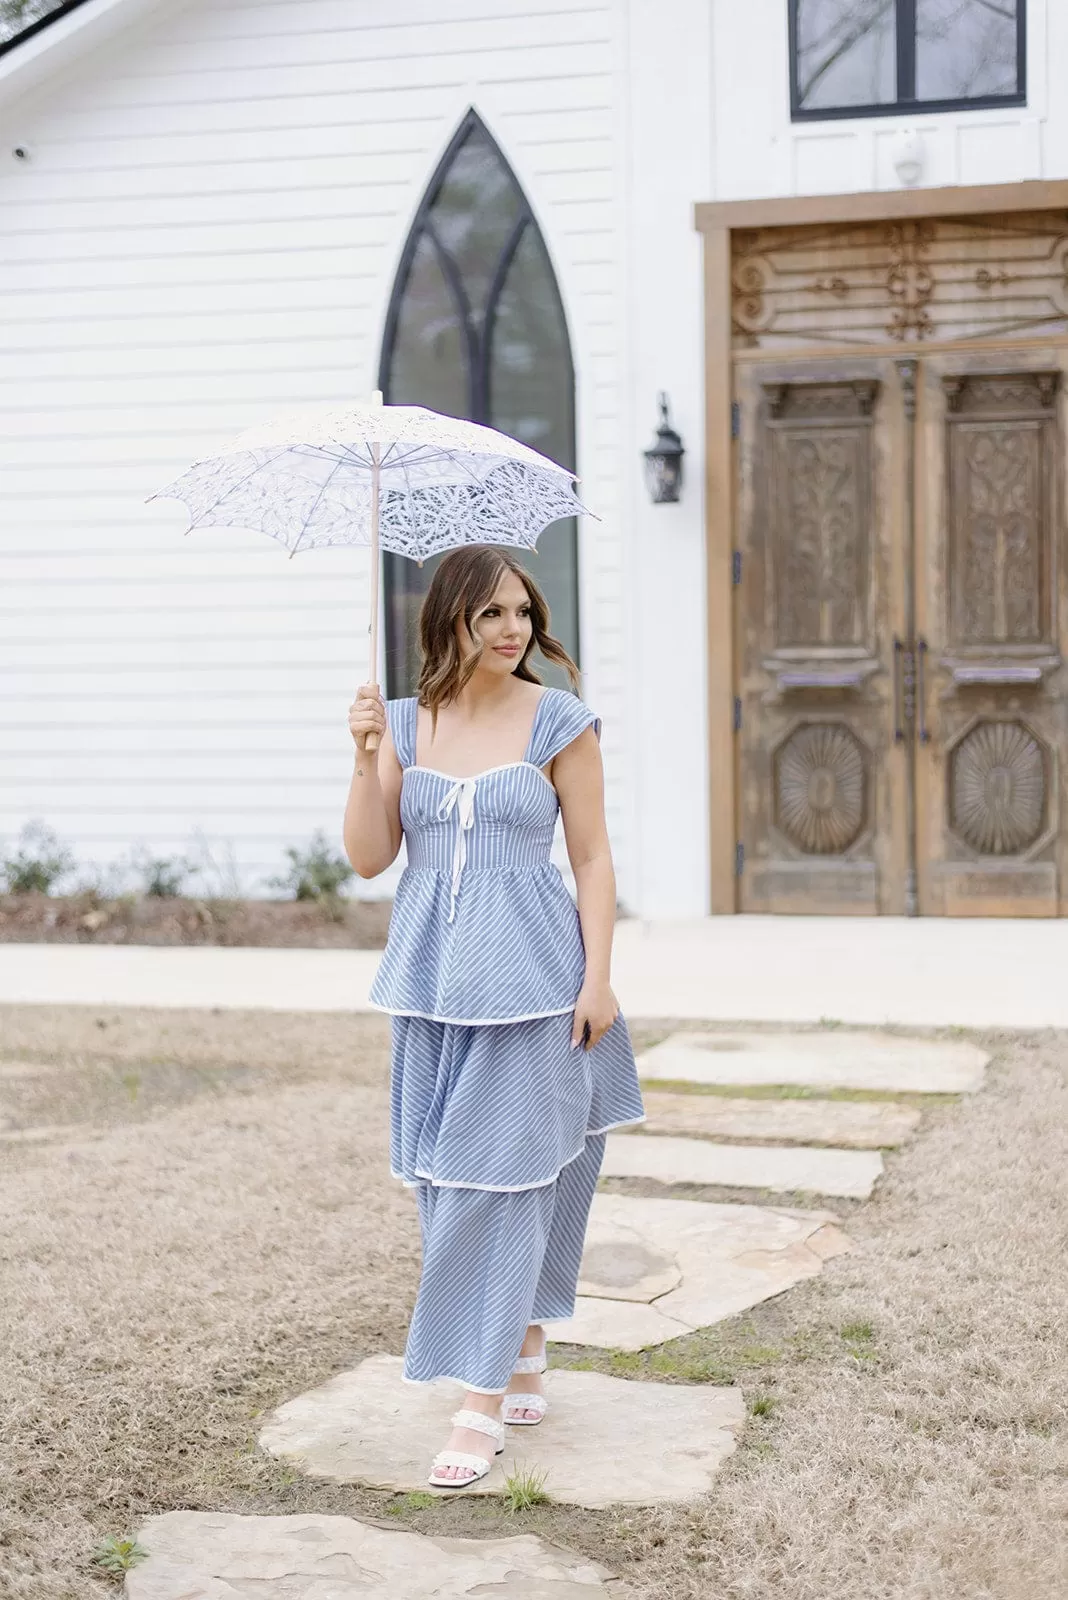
(871, 58)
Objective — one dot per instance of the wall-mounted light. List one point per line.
(663, 462)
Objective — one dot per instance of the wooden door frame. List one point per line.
(716, 221)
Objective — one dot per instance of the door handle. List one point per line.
(899, 671)
(921, 691)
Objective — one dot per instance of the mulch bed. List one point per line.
(281, 924)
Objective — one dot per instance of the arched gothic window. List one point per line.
(476, 329)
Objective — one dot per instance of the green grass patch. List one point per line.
(762, 1405)
(419, 1500)
(525, 1489)
(117, 1555)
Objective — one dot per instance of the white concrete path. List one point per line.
(981, 973)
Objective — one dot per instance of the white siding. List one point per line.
(206, 233)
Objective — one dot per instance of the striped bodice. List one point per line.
(483, 929)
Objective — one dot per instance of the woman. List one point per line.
(510, 1058)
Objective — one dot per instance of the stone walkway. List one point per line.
(203, 1555)
(808, 1112)
(369, 1427)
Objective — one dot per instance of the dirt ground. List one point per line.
(89, 918)
(216, 1231)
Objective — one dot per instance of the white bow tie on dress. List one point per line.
(461, 799)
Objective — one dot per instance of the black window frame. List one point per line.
(904, 104)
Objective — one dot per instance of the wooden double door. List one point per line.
(900, 628)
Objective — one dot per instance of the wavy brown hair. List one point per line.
(463, 586)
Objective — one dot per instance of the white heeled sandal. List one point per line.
(478, 1466)
(526, 1402)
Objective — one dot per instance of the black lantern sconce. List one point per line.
(663, 463)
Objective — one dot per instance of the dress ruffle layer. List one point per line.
(503, 1107)
(513, 951)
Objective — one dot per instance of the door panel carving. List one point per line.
(1001, 438)
(903, 603)
(879, 283)
(820, 458)
(817, 689)
(989, 584)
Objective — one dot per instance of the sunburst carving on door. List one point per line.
(820, 784)
(998, 788)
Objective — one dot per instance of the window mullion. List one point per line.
(906, 51)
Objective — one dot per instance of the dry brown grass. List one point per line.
(228, 1236)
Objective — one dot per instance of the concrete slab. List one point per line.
(976, 972)
(727, 1257)
(850, 1174)
(841, 1124)
(605, 1441)
(820, 1060)
(199, 1555)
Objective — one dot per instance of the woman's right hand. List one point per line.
(367, 715)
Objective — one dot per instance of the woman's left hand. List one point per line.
(596, 1009)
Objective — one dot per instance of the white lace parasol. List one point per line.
(310, 479)
(398, 478)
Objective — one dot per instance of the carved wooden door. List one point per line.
(820, 585)
(992, 690)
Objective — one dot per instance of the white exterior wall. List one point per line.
(206, 232)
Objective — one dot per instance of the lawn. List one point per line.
(215, 1231)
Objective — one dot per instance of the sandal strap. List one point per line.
(530, 1364)
(460, 1458)
(479, 1422)
(526, 1402)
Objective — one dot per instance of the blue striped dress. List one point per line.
(495, 1120)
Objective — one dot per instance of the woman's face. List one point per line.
(504, 626)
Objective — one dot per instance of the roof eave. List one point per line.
(45, 52)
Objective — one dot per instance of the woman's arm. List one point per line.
(578, 776)
(372, 827)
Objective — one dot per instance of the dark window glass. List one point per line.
(965, 49)
(476, 329)
(851, 57)
(846, 53)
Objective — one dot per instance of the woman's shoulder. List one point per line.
(561, 717)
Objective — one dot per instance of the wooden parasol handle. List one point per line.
(372, 738)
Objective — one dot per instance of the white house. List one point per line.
(833, 232)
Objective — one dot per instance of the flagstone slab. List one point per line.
(843, 1124)
(849, 1174)
(605, 1441)
(728, 1257)
(202, 1555)
(820, 1060)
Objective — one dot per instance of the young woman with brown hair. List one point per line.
(510, 1058)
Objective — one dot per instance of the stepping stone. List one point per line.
(821, 1060)
(605, 1441)
(848, 1173)
(204, 1555)
(852, 1124)
(727, 1258)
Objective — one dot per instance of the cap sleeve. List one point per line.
(400, 715)
(561, 718)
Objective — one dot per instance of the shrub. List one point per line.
(315, 873)
(39, 862)
(164, 877)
